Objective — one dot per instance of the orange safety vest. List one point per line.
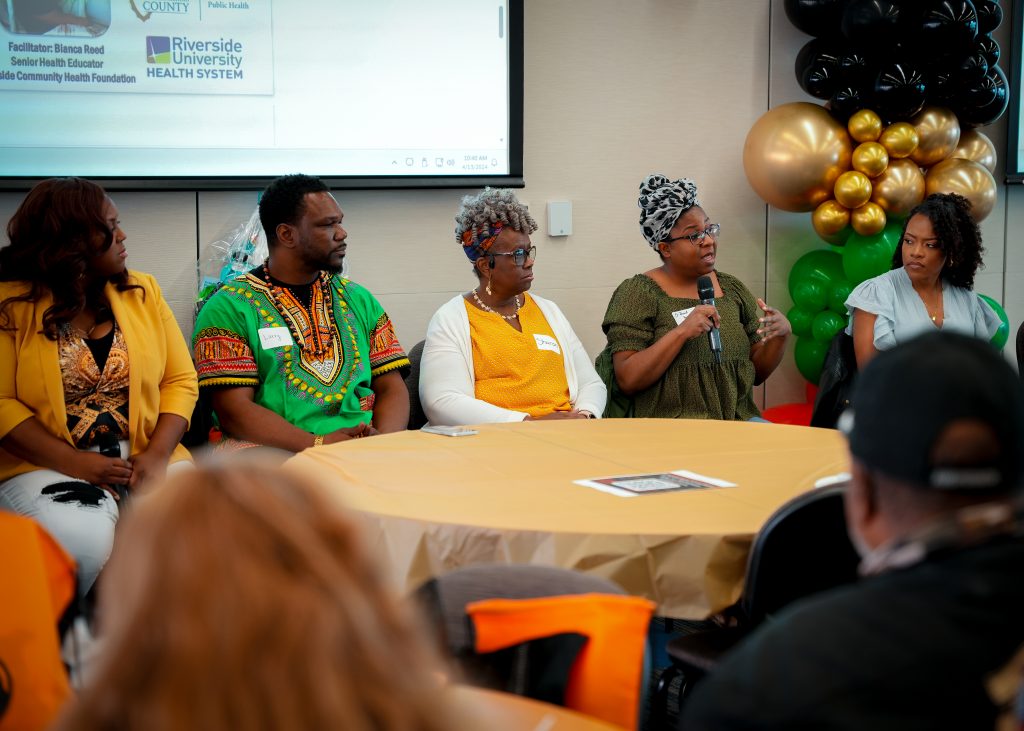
(605, 680)
(37, 580)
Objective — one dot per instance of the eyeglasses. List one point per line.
(698, 237)
(519, 256)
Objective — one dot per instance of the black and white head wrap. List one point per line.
(662, 202)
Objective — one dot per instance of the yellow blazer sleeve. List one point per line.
(12, 411)
(161, 377)
(179, 388)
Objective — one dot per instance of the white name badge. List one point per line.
(680, 315)
(275, 337)
(546, 342)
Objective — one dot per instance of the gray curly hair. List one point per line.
(483, 215)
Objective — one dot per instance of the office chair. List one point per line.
(802, 549)
(412, 382)
(547, 633)
(1020, 350)
(835, 385)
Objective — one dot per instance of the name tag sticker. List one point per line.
(275, 337)
(546, 342)
(680, 315)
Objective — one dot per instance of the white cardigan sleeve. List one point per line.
(446, 373)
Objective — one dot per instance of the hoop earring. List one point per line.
(487, 289)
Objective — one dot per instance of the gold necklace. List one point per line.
(929, 310)
(484, 307)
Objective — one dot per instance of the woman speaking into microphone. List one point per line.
(661, 325)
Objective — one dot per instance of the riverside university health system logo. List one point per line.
(180, 57)
(158, 49)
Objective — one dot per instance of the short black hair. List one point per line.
(958, 235)
(283, 201)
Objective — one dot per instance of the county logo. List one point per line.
(158, 49)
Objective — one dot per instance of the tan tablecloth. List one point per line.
(498, 711)
(506, 495)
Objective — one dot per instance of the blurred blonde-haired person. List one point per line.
(241, 597)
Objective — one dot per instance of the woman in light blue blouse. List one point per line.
(930, 285)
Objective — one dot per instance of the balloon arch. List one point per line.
(905, 85)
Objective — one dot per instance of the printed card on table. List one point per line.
(651, 483)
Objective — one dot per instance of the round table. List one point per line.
(507, 495)
(507, 712)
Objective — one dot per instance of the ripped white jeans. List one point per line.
(81, 517)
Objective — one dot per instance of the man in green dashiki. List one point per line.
(292, 354)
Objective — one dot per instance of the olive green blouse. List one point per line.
(693, 386)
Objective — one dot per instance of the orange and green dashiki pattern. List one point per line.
(242, 339)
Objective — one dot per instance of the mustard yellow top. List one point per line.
(522, 371)
(161, 378)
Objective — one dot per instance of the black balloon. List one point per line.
(845, 102)
(971, 69)
(984, 102)
(815, 17)
(896, 56)
(990, 15)
(942, 86)
(817, 68)
(874, 22)
(856, 69)
(988, 46)
(947, 25)
(899, 91)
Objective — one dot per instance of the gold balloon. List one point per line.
(793, 155)
(970, 179)
(870, 158)
(976, 146)
(829, 219)
(938, 131)
(899, 139)
(853, 189)
(868, 219)
(839, 239)
(864, 126)
(899, 188)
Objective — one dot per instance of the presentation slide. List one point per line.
(254, 88)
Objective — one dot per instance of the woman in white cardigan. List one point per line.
(497, 353)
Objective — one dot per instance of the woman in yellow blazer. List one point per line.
(96, 381)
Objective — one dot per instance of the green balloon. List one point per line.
(826, 325)
(837, 296)
(810, 294)
(865, 257)
(1003, 333)
(810, 356)
(838, 239)
(819, 265)
(800, 319)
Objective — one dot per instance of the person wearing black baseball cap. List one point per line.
(934, 630)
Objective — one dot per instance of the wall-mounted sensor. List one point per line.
(559, 218)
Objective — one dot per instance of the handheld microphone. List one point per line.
(706, 293)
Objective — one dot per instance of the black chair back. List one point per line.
(1020, 350)
(835, 385)
(802, 549)
(412, 382)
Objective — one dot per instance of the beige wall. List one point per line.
(614, 90)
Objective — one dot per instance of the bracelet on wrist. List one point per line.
(318, 440)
